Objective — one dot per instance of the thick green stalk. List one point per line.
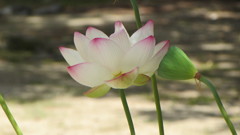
(136, 12)
(219, 103)
(10, 116)
(153, 78)
(127, 111)
(157, 104)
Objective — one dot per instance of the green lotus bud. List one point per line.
(176, 65)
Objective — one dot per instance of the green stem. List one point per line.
(127, 112)
(10, 116)
(158, 106)
(136, 12)
(219, 103)
(154, 82)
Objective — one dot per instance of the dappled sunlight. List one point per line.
(215, 15)
(232, 73)
(36, 22)
(67, 20)
(217, 47)
(227, 65)
(81, 22)
(41, 92)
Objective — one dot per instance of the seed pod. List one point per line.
(176, 65)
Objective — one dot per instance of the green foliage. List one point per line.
(176, 65)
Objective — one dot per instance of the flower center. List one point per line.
(117, 74)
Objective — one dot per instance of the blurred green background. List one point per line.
(34, 80)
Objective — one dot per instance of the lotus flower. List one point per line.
(116, 61)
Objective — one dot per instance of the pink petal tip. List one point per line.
(96, 41)
(72, 68)
(61, 47)
(149, 38)
(150, 21)
(90, 28)
(117, 23)
(77, 33)
(167, 45)
(167, 41)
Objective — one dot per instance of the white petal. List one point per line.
(143, 32)
(89, 74)
(159, 46)
(151, 66)
(121, 38)
(92, 33)
(81, 42)
(139, 54)
(71, 56)
(119, 26)
(106, 52)
(123, 81)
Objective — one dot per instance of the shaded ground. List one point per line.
(71, 116)
(208, 32)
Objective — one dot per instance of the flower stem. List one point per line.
(158, 106)
(153, 78)
(10, 116)
(136, 12)
(219, 103)
(127, 112)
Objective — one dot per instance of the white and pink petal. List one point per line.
(71, 56)
(92, 33)
(81, 42)
(119, 26)
(106, 52)
(138, 54)
(121, 38)
(151, 66)
(143, 32)
(89, 74)
(159, 46)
